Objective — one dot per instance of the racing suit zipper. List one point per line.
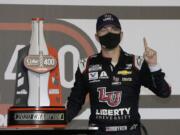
(111, 75)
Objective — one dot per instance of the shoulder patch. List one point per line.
(82, 64)
(138, 61)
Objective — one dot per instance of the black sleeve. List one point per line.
(77, 96)
(154, 81)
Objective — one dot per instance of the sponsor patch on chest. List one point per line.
(96, 67)
(124, 72)
(126, 79)
(93, 75)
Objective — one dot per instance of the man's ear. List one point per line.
(97, 38)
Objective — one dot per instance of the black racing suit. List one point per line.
(114, 91)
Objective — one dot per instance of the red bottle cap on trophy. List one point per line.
(38, 19)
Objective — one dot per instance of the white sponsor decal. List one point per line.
(108, 18)
(94, 81)
(93, 75)
(116, 128)
(126, 79)
(113, 114)
(22, 92)
(134, 126)
(116, 83)
(103, 75)
(95, 67)
(128, 66)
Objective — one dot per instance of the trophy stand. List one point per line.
(38, 95)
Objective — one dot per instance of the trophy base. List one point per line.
(37, 117)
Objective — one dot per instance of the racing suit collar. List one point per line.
(121, 60)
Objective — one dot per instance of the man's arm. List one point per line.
(151, 75)
(153, 78)
(77, 95)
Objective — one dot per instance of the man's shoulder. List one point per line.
(130, 55)
(137, 59)
(85, 59)
(83, 62)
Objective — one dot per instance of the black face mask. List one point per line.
(110, 40)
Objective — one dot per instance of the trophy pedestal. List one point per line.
(37, 117)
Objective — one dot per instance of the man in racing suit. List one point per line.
(113, 79)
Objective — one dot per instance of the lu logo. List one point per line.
(112, 99)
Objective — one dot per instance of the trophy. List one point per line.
(38, 94)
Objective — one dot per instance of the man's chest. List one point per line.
(112, 78)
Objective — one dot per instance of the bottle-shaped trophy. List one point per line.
(38, 94)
